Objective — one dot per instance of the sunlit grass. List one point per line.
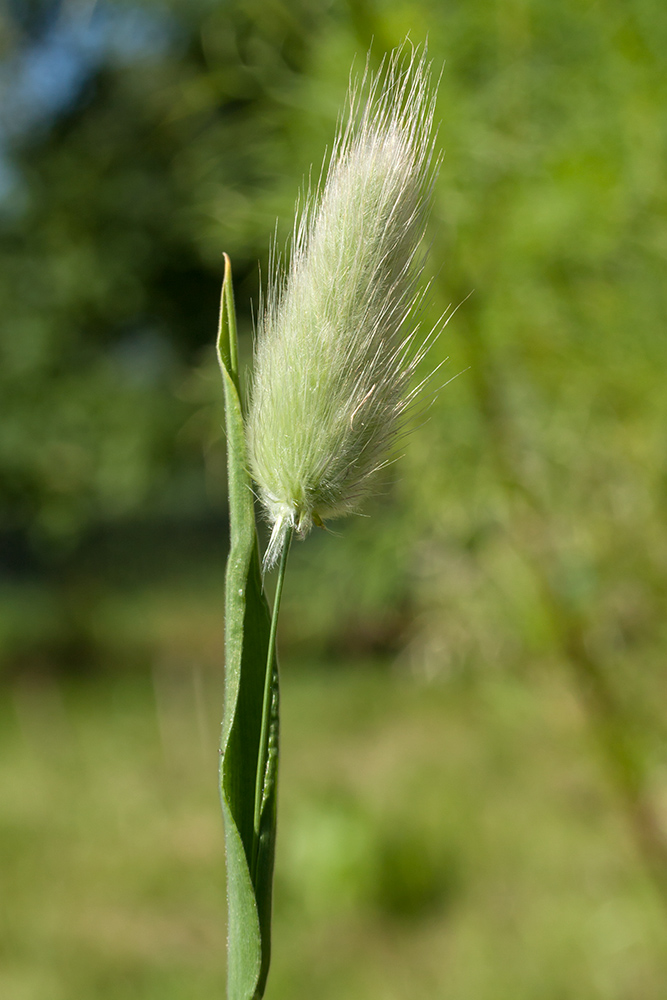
(450, 840)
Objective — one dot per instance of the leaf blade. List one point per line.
(247, 628)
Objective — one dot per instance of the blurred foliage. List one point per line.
(523, 527)
(140, 140)
(510, 877)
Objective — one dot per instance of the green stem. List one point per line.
(266, 703)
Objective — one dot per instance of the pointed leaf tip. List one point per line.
(226, 344)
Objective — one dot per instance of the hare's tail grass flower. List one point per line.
(337, 342)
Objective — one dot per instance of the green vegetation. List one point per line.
(513, 586)
(449, 840)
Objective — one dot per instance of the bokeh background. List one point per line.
(474, 784)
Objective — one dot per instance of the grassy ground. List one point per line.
(451, 840)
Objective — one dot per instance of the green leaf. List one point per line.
(249, 845)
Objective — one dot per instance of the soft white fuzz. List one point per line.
(336, 345)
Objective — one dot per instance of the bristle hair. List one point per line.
(336, 342)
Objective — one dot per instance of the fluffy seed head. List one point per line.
(335, 345)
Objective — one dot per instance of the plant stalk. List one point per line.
(266, 703)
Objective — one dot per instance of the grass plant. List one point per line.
(336, 349)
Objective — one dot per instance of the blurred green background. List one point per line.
(474, 785)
